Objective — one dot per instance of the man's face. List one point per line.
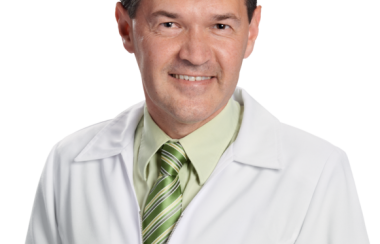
(190, 53)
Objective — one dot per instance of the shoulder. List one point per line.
(303, 152)
(71, 145)
(297, 140)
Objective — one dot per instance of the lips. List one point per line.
(192, 86)
(191, 78)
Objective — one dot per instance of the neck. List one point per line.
(172, 127)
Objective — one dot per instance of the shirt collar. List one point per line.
(151, 140)
(257, 143)
(203, 146)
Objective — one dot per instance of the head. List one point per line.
(189, 52)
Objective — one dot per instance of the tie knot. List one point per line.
(173, 156)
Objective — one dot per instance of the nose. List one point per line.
(195, 48)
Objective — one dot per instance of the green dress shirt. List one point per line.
(204, 147)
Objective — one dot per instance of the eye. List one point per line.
(222, 26)
(168, 24)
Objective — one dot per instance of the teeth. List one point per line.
(191, 78)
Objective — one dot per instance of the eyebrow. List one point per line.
(217, 17)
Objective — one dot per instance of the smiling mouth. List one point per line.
(191, 78)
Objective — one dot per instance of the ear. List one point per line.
(253, 31)
(124, 23)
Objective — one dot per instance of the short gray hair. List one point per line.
(132, 5)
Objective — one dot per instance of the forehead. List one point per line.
(193, 8)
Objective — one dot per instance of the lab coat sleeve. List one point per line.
(334, 215)
(43, 228)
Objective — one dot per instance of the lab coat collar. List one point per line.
(117, 134)
(257, 143)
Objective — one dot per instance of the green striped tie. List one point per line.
(164, 203)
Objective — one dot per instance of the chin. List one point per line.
(190, 114)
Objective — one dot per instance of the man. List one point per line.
(200, 161)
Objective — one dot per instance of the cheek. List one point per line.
(149, 61)
(229, 55)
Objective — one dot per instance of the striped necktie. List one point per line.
(164, 203)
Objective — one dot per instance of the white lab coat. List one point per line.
(275, 184)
